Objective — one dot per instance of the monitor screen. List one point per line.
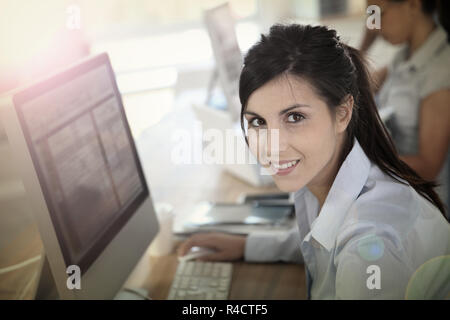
(220, 24)
(84, 156)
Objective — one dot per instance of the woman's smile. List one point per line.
(284, 167)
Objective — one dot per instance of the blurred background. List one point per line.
(151, 43)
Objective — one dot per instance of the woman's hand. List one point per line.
(228, 247)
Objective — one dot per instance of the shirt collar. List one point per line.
(346, 187)
(424, 53)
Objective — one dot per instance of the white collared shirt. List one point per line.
(374, 238)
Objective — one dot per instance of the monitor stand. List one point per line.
(46, 288)
(211, 85)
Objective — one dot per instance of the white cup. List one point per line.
(163, 243)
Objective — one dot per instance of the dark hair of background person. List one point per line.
(335, 70)
(440, 7)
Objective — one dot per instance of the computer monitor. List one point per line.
(71, 140)
(227, 54)
(220, 24)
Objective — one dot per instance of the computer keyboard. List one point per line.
(198, 280)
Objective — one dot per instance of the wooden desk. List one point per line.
(183, 186)
(275, 281)
(250, 280)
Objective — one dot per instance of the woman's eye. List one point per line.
(256, 122)
(295, 117)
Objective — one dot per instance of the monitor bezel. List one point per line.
(121, 220)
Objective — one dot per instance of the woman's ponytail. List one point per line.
(374, 138)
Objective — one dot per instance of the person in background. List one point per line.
(416, 84)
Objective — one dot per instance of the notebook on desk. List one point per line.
(238, 218)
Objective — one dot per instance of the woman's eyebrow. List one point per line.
(251, 113)
(297, 105)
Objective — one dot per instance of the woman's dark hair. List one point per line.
(335, 70)
(440, 7)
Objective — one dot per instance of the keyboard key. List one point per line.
(188, 268)
(221, 296)
(176, 282)
(181, 294)
(194, 281)
(207, 269)
(201, 296)
(180, 268)
(213, 283)
(226, 271)
(215, 272)
(223, 282)
(184, 283)
(193, 292)
(172, 294)
(198, 269)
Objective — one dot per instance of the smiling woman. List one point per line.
(366, 221)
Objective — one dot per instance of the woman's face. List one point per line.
(309, 135)
(397, 20)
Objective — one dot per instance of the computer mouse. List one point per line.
(196, 252)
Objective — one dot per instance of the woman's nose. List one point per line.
(277, 141)
(272, 143)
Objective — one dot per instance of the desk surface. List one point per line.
(183, 186)
(277, 281)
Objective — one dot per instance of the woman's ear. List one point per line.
(344, 113)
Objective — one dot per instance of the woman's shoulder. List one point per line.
(382, 189)
(391, 208)
(437, 74)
